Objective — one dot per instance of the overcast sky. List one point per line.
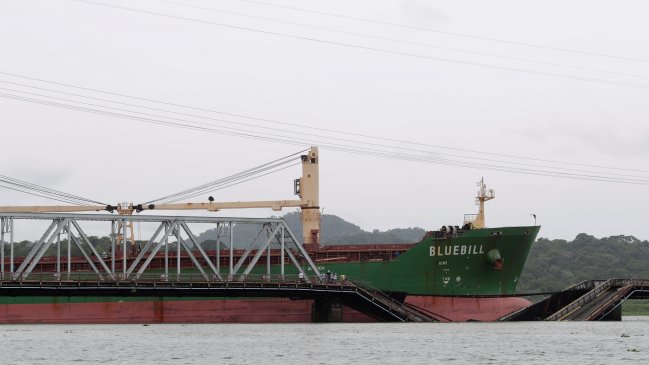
(415, 88)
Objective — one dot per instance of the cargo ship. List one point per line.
(464, 272)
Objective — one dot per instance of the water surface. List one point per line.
(393, 343)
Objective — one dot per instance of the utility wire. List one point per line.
(356, 150)
(314, 127)
(267, 128)
(379, 50)
(339, 147)
(428, 45)
(464, 35)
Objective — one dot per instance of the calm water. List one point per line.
(455, 343)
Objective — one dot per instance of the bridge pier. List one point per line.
(327, 310)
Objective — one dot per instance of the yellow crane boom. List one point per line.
(306, 187)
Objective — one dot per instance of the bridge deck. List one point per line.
(587, 301)
(361, 298)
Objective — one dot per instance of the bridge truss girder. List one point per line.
(273, 231)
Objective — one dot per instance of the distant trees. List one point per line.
(556, 264)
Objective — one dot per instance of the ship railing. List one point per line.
(588, 297)
(191, 277)
(371, 293)
(470, 218)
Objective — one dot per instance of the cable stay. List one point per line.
(229, 180)
(44, 192)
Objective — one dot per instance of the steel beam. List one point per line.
(200, 249)
(260, 251)
(247, 252)
(169, 227)
(276, 233)
(82, 234)
(144, 250)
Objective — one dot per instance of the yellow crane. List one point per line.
(306, 188)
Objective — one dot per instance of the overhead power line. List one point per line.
(289, 124)
(377, 152)
(189, 122)
(379, 50)
(396, 40)
(463, 35)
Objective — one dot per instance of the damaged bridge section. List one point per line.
(590, 300)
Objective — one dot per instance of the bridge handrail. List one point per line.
(192, 277)
(392, 305)
(579, 302)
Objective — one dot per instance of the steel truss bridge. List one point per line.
(273, 232)
(115, 274)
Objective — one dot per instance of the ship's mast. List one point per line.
(484, 194)
(308, 189)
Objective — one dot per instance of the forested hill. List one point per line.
(334, 230)
(556, 264)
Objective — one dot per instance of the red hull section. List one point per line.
(261, 310)
(185, 311)
(462, 309)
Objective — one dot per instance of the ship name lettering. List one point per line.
(456, 250)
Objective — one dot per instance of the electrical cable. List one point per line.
(314, 127)
(274, 129)
(379, 50)
(428, 45)
(412, 27)
(352, 149)
(339, 145)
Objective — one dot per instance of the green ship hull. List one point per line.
(463, 265)
(478, 262)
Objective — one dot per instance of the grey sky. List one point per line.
(413, 99)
